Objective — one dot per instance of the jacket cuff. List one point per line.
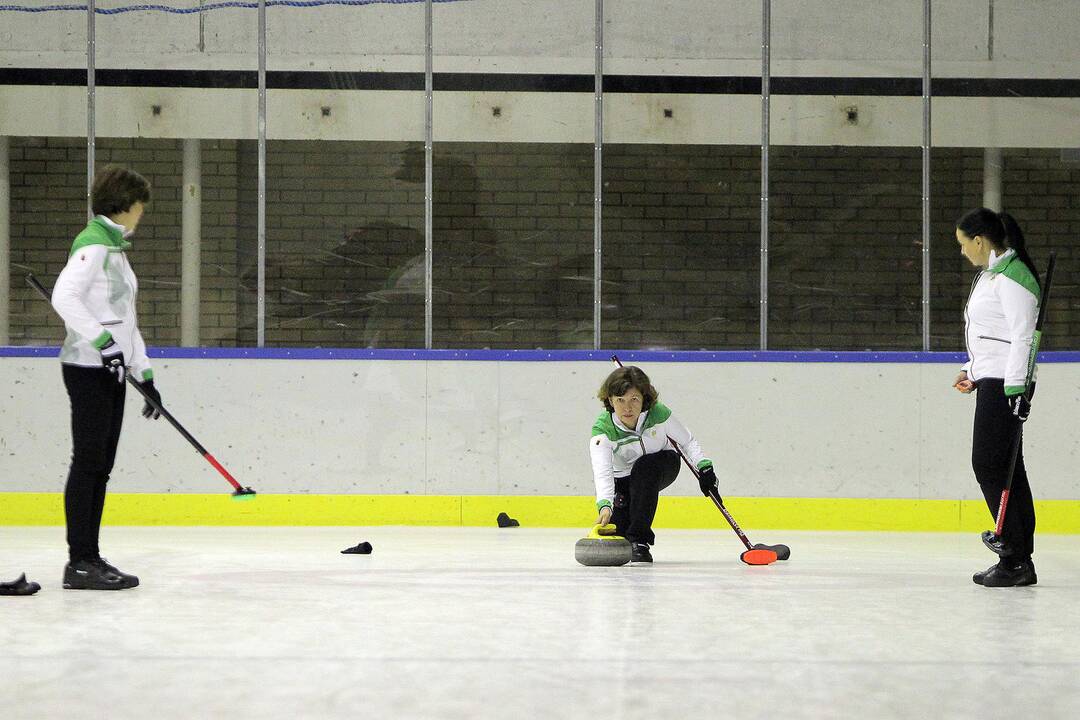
(601, 504)
(706, 463)
(102, 340)
(1012, 390)
(148, 374)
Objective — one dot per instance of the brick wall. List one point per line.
(513, 242)
(681, 246)
(344, 245)
(48, 208)
(514, 245)
(1050, 218)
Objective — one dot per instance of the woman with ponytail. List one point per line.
(999, 322)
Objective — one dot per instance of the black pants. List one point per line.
(97, 413)
(991, 447)
(636, 495)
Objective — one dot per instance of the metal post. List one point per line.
(598, 176)
(766, 72)
(926, 179)
(91, 90)
(261, 291)
(993, 166)
(191, 242)
(5, 243)
(429, 172)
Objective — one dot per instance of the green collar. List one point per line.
(114, 236)
(1003, 261)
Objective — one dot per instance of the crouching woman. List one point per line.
(633, 458)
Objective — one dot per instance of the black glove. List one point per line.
(1020, 406)
(707, 481)
(112, 358)
(149, 410)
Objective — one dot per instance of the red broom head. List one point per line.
(758, 557)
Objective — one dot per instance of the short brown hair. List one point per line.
(115, 189)
(620, 381)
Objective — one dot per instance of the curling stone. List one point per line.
(602, 550)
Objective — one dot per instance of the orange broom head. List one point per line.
(758, 557)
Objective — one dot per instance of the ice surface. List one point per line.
(483, 623)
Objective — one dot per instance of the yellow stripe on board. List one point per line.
(1055, 516)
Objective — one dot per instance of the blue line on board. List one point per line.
(226, 4)
(651, 356)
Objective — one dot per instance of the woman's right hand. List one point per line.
(963, 384)
(605, 516)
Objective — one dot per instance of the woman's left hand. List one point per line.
(963, 384)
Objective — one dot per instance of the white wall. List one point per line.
(518, 428)
(702, 37)
(846, 37)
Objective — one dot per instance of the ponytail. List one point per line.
(1001, 230)
(1014, 238)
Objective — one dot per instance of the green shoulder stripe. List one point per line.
(98, 233)
(605, 426)
(1018, 272)
(658, 413)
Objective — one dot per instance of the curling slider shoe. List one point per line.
(244, 493)
(783, 552)
(19, 587)
(505, 521)
(758, 556)
(361, 548)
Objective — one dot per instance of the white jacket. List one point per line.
(614, 448)
(999, 322)
(95, 295)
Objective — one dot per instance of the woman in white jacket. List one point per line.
(95, 296)
(999, 328)
(632, 457)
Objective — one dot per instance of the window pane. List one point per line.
(513, 195)
(344, 178)
(845, 248)
(46, 128)
(681, 172)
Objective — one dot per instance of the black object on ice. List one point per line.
(992, 541)
(506, 521)
(19, 587)
(783, 552)
(363, 548)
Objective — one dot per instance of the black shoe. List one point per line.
(130, 579)
(992, 541)
(640, 553)
(96, 575)
(1011, 574)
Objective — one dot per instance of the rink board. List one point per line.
(888, 514)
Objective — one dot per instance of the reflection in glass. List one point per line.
(845, 241)
(513, 261)
(681, 244)
(345, 244)
(48, 208)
